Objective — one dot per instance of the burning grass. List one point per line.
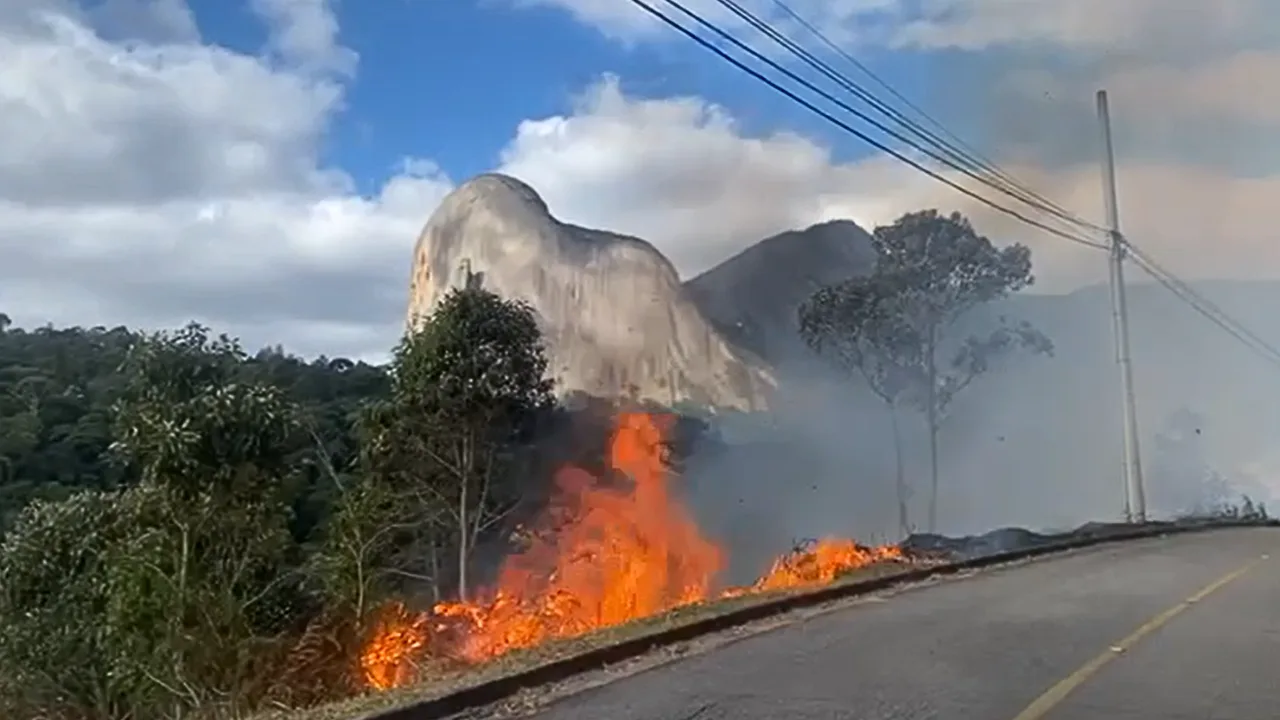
(609, 562)
(438, 679)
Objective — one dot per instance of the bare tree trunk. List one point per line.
(464, 525)
(931, 397)
(900, 480)
(933, 469)
(435, 568)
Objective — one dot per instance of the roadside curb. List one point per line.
(498, 689)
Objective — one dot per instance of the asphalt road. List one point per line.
(1186, 626)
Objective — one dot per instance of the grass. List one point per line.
(447, 681)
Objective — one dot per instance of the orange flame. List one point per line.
(388, 660)
(604, 556)
(822, 563)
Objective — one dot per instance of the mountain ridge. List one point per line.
(753, 296)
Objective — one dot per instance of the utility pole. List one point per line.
(1135, 500)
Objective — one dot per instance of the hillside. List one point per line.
(615, 317)
(1063, 413)
(753, 296)
(59, 387)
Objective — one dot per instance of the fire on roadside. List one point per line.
(622, 555)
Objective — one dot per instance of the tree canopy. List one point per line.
(467, 391)
(189, 526)
(896, 325)
(59, 389)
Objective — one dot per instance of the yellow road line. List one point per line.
(1056, 694)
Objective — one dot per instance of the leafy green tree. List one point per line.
(467, 389)
(220, 448)
(185, 586)
(354, 565)
(897, 324)
(58, 388)
(219, 468)
(186, 420)
(58, 656)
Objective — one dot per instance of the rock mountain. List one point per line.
(753, 296)
(1040, 433)
(616, 318)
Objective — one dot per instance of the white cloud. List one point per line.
(1194, 119)
(1192, 56)
(151, 180)
(682, 174)
(675, 171)
(1233, 87)
(1080, 25)
(306, 32)
(845, 21)
(148, 178)
(152, 20)
(963, 24)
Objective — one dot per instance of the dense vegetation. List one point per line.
(59, 389)
(188, 530)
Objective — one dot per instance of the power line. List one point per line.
(963, 155)
(1171, 282)
(963, 159)
(1202, 305)
(848, 57)
(831, 74)
(960, 152)
(810, 59)
(642, 4)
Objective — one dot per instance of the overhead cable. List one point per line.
(1203, 305)
(655, 12)
(949, 158)
(955, 147)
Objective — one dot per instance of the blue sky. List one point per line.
(451, 80)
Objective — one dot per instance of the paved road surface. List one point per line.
(1199, 639)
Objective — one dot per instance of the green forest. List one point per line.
(191, 530)
(60, 387)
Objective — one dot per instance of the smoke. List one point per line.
(813, 466)
(1034, 443)
(1037, 441)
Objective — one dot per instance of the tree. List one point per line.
(174, 576)
(193, 588)
(54, 585)
(58, 389)
(467, 389)
(852, 324)
(223, 587)
(187, 419)
(898, 322)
